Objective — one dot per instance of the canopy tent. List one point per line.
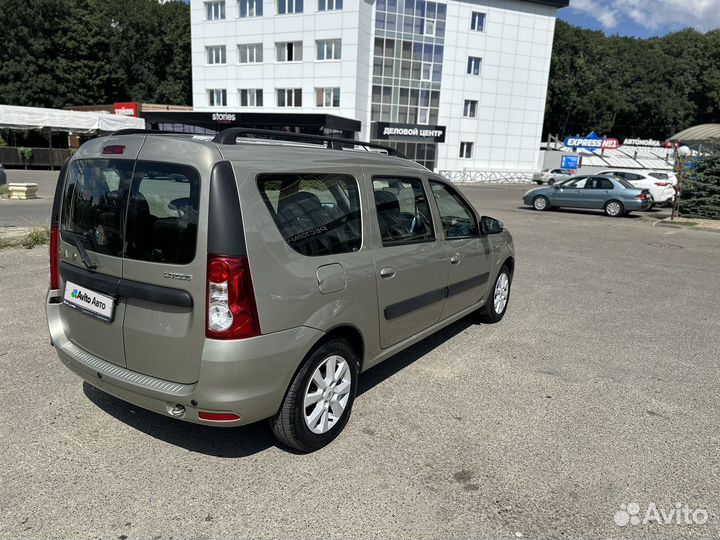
(62, 120)
(698, 134)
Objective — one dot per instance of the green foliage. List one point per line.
(3, 142)
(701, 190)
(57, 53)
(25, 153)
(38, 236)
(4, 191)
(627, 87)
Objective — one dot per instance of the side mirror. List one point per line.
(490, 225)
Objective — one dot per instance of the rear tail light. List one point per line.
(642, 196)
(662, 184)
(231, 309)
(54, 247)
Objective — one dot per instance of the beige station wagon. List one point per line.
(256, 275)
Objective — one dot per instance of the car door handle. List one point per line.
(455, 259)
(387, 272)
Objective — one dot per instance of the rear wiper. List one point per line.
(84, 256)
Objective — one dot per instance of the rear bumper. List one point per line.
(637, 205)
(247, 377)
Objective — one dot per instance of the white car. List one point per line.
(662, 191)
(669, 176)
(551, 176)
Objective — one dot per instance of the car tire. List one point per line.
(614, 208)
(541, 203)
(551, 182)
(292, 423)
(538, 182)
(498, 298)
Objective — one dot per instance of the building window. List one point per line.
(286, 7)
(289, 97)
(250, 8)
(426, 74)
(214, 11)
(327, 97)
(470, 109)
(477, 22)
(215, 54)
(473, 66)
(429, 27)
(466, 149)
(328, 49)
(251, 53)
(330, 5)
(423, 115)
(217, 97)
(251, 97)
(288, 51)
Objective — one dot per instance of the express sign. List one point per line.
(592, 142)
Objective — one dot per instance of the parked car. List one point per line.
(3, 175)
(661, 190)
(668, 176)
(551, 176)
(224, 282)
(613, 195)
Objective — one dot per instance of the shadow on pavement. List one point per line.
(245, 441)
(635, 214)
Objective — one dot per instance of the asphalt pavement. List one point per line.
(33, 212)
(598, 389)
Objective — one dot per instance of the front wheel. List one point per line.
(614, 209)
(496, 304)
(319, 401)
(541, 203)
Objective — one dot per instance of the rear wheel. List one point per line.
(318, 403)
(614, 208)
(496, 304)
(541, 203)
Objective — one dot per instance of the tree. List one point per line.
(701, 191)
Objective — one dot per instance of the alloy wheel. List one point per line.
(327, 394)
(502, 288)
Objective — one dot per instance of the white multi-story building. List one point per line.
(459, 85)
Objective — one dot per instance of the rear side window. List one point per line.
(402, 210)
(140, 210)
(317, 214)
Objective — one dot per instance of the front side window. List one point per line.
(286, 7)
(217, 97)
(330, 5)
(215, 11)
(140, 210)
(403, 212)
(328, 49)
(215, 54)
(288, 51)
(470, 108)
(251, 53)
(289, 97)
(473, 65)
(466, 149)
(251, 97)
(316, 214)
(477, 21)
(458, 219)
(327, 97)
(250, 8)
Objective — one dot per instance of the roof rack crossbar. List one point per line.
(137, 131)
(229, 136)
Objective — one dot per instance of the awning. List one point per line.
(698, 134)
(62, 120)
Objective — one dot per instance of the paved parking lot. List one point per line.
(598, 389)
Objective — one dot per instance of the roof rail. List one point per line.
(229, 136)
(136, 131)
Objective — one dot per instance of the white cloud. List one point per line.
(656, 15)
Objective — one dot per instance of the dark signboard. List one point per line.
(407, 132)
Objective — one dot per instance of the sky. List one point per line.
(643, 18)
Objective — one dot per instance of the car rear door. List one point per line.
(411, 265)
(165, 263)
(94, 198)
(469, 254)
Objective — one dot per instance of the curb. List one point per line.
(675, 225)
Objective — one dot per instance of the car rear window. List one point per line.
(317, 214)
(140, 210)
(624, 183)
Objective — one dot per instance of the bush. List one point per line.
(25, 153)
(4, 191)
(700, 196)
(37, 237)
